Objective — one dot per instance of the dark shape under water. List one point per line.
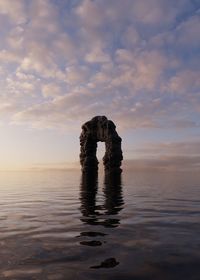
(108, 263)
(92, 243)
(92, 233)
(101, 129)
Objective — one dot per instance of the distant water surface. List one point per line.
(58, 225)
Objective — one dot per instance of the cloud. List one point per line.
(7, 57)
(15, 11)
(153, 11)
(64, 109)
(65, 48)
(40, 61)
(77, 74)
(183, 38)
(141, 71)
(51, 90)
(93, 8)
(97, 55)
(165, 163)
(122, 59)
(187, 32)
(130, 37)
(185, 81)
(184, 148)
(172, 155)
(135, 61)
(57, 112)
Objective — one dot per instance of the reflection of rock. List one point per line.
(92, 243)
(92, 233)
(92, 213)
(108, 263)
(113, 193)
(104, 215)
(89, 182)
(113, 198)
(100, 129)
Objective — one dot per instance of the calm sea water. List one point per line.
(59, 225)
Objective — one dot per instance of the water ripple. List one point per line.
(55, 226)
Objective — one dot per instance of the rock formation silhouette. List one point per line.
(101, 129)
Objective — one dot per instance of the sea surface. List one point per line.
(60, 225)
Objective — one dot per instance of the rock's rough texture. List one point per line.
(101, 129)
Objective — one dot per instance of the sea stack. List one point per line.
(101, 129)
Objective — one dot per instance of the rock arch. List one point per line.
(101, 129)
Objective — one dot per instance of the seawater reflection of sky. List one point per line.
(61, 225)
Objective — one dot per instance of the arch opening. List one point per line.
(100, 153)
(100, 129)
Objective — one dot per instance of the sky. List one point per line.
(63, 62)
